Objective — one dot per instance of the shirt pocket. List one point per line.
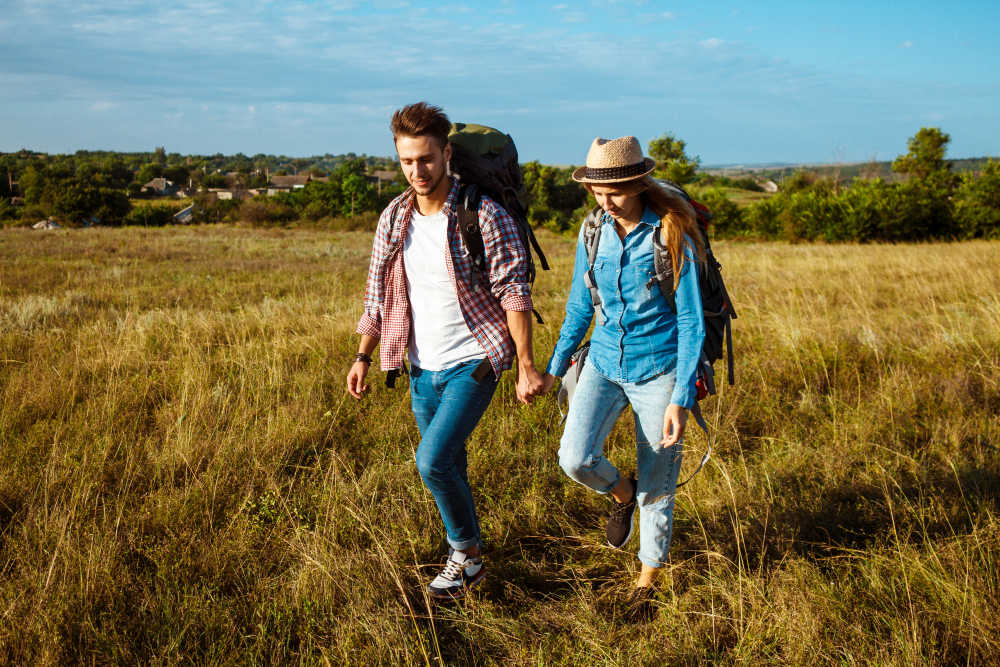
(607, 279)
(644, 272)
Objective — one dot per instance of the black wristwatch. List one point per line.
(361, 356)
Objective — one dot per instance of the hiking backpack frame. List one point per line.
(717, 308)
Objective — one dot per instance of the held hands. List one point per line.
(674, 421)
(356, 379)
(548, 381)
(529, 383)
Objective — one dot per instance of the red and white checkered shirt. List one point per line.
(387, 307)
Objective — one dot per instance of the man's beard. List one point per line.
(433, 186)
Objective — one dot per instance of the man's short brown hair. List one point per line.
(421, 119)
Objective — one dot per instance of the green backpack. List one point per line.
(485, 161)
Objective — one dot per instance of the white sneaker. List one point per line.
(458, 577)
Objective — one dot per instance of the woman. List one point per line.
(641, 352)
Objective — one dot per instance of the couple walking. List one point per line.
(421, 299)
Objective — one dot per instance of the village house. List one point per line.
(161, 187)
(184, 216)
(287, 183)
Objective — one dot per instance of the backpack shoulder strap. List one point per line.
(467, 211)
(592, 241)
(664, 271)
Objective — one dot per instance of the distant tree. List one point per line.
(349, 167)
(115, 173)
(801, 181)
(553, 195)
(977, 203)
(214, 180)
(926, 156)
(357, 195)
(160, 156)
(5, 180)
(178, 174)
(671, 160)
(148, 172)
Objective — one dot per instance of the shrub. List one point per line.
(150, 216)
(727, 217)
(801, 181)
(263, 213)
(7, 210)
(764, 220)
(33, 213)
(977, 203)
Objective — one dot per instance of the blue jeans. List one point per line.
(448, 405)
(597, 404)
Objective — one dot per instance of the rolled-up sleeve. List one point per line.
(579, 314)
(370, 326)
(507, 257)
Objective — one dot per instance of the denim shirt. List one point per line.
(641, 336)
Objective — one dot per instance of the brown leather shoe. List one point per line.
(621, 523)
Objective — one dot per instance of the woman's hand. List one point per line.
(674, 421)
(548, 381)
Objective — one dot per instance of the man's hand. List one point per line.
(356, 379)
(529, 382)
(674, 421)
(548, 382)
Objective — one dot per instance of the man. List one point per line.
(420, 299)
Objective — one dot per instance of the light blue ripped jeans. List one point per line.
(597, 404)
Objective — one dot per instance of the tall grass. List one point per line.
(183, 479)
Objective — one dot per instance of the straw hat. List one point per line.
(614, 161)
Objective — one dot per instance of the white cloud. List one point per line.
(320, 76)
(905, 45)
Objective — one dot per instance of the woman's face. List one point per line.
(619, 206)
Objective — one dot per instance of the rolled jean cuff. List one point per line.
(464, 544)
(612, 485)
(646, 560)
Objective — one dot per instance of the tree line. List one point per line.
(926, 200)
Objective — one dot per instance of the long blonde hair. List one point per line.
(677, 219)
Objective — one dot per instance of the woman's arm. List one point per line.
(690, 333)
(579, 314)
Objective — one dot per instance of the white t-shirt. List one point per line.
(439, 337)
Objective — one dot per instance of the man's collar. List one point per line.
(450, 202)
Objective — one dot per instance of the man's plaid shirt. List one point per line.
(387, 307)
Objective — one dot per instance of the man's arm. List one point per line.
(356, 378)
(529, 382)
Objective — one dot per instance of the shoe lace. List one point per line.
(452, 571)
(619, 510)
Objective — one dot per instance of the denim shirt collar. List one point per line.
(648, 218)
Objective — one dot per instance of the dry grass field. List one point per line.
(183, 479)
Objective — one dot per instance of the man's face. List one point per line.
(424, 162)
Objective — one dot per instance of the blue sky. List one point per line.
(740, 82)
